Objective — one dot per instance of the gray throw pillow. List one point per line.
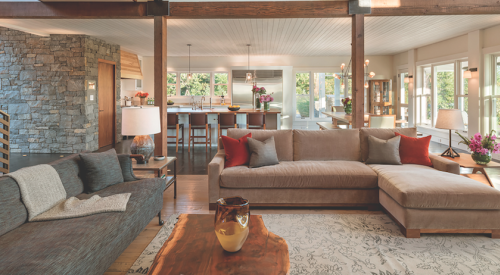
(382, 151)
(100, 170)
(262, 153)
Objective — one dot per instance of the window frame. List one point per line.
(212, 83)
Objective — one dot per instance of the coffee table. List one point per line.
(466, 161)
(193, 248)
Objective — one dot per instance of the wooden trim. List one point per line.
(358, 71)
(4, 151)
(4, 170)
(4, 122)
(368, 206)
(160, 82)
(432, 7)
(3, 131)
(108, 62)
(6, 161)
(6, 142)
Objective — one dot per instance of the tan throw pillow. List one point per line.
(262, 153)
(383, 151)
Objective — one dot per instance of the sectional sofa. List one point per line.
(86, 245)
(327, 169)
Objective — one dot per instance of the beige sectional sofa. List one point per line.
(326, 168)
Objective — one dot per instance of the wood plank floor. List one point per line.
(192, 197)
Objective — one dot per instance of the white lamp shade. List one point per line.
(137, 121)
(450, 119)
(467, 74)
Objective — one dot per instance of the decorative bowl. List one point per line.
(170, 103)
(233, 109)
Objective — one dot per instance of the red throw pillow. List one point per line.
(237, 152)
(414, 150)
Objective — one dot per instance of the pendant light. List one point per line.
(189, 73)
(249, 77)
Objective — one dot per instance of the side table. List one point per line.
(158, 166)
(466, 161)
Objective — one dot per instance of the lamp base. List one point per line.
(143, 145)
(450, 152)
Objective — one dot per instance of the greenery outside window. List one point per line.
(220, 84)
(302, 96)
(199, 85)
(171, 84)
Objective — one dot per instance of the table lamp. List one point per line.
(141, 122)
(450, 119)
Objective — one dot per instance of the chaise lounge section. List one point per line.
(326, 169)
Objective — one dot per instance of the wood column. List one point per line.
(358, 70)
(160, 81)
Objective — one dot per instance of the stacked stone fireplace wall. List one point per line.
(43, 89)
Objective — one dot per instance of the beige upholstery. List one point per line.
(382, 134)
(416, 186)
(282, 138)
(326, 145)
(440, 218)
(382, 121)
(445, 165)
(301, 174)
(305, 196)
(215, 168)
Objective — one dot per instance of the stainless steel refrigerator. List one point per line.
(272, 80)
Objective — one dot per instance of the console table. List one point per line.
(466, 161)
(157, 166)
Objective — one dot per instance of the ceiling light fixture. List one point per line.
(189, 73)
(345, 73)
(249, 77)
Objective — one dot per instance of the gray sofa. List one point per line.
(86, 245)
(326, 168)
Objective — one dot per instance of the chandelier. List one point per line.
(345, 73)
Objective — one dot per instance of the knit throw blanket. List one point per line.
(44, 196)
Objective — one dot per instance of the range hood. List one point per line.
(130, 66)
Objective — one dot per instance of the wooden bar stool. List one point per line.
(226, 121)
(199, 121)
(256, 121)
(173, 123)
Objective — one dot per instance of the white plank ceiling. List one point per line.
(295, 37)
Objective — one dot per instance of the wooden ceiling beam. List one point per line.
(433, 7)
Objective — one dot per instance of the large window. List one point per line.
(445, 86)
(403, 96)
(492, 97)
(463, 93)
(423, 98)
(302, 83)
(213, 84)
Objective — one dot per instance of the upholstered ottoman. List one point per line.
(424, 200)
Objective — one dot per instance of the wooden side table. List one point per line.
(466, 161)
(157, 166)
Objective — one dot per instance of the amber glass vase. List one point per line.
(232, 219)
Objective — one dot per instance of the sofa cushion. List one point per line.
(417, 186)
(326, 145)
(381, 151)
(415, 150)
(382, 134)
(282, 138)
(68, 169)
(13, 213)
(302, 174)
(262, 153)
(101, 170)
(86, 245)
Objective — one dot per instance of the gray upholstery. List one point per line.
(262, 153)
(86, 245)
(381, 151)
(126, 165)
(100, 170)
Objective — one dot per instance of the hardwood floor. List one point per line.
(192, 198)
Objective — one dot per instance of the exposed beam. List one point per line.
(433, 7)
(280, 9)
(160, 81)
(358, 70)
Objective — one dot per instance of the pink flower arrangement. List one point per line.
(482, 145)
(347, 102)
(141, 94)
(266, 98)
(258, 90)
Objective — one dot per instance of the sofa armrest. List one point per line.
(445, 165)
(215, 168)
(126, 165)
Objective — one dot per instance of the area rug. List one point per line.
(363, 244)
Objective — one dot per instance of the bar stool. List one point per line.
(173, 123)
(226, 121)
(199, 121)
(256, 121)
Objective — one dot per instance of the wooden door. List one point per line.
(107, 110)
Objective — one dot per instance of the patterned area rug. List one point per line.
(363, 244)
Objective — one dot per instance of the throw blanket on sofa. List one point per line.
(44, 196)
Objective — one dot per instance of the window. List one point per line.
(220, 84)
(199, 85)
(463, 93)
(492, 99)
(302, 83)
(403, 96)
(423, 98)
(327, 93)
(171, 84)
(445, 86)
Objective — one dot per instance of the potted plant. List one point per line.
(347, 102)
(266, 99)
(257, 93)
(142, 96)
(481, 147)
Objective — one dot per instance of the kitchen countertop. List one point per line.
(219, 110)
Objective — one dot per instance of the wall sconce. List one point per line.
(409, 79)
(468, 73)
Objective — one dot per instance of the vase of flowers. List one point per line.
(481, 147)
(142, 96)
(257, 93)
(266, 100)
(347, 102)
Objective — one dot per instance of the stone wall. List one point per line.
(43, 90)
